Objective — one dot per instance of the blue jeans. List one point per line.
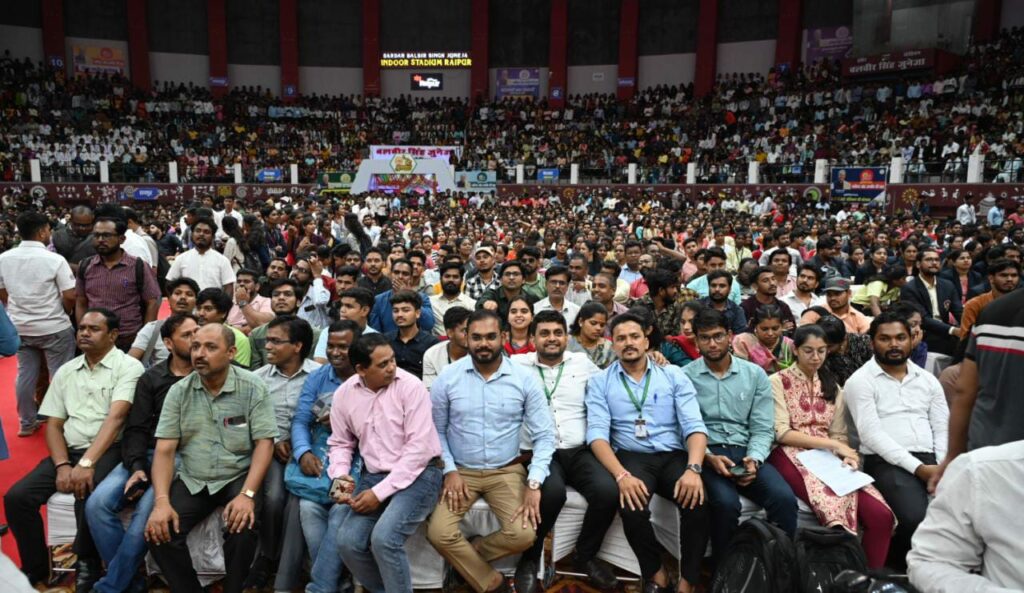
(328, 572)
(313, 518)
(373, 546)
(122, 550)
(768, 489)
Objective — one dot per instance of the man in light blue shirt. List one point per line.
(996, 214)
(481, 403)
(714, 259)
(638, 416)
(738, 408)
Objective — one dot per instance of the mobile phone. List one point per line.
(739, 470)
(136, 490)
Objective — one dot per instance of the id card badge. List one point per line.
(640, 428)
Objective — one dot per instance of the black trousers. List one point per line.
(239, 548)
(907, 497)
(660, 472)
(22, 502)
(578, 468)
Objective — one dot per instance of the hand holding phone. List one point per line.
(739, 471)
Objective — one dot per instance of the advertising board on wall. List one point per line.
(476, 180)
(425, 59)
(93, 59)
(518, 82)
(426, 81)
(858, 184)
(386, 151)
(827, 43)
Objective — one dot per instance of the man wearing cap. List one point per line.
(485, 278)
(837, 297)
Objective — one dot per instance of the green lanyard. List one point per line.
(638, 404)
(544, 384)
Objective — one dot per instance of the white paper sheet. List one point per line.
(829, 468)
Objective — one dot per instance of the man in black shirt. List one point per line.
(123, 550)
(409, 341)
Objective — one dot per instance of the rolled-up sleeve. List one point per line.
(599, 419)
(301, 435)
(261, 415)
(762, 418)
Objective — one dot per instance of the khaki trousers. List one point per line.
(503, 490)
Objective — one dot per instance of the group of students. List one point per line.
(328, 407)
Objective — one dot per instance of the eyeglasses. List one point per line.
(717, 338)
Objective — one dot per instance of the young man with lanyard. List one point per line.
(650, 448)
(563, 376)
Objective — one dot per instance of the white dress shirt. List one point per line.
(567, 397)
(440, 304)
(209, 270)
(136, 246)
(35, 278)
(894, 418)
(798, 307)
(435, 360)
(569, 310)
(969, 542)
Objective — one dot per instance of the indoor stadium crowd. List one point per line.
(785, 121)
(331, 368)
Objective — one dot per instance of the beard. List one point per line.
(450, 288)
(892, 357)
(484, 355)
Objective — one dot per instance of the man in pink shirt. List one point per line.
(386, 414)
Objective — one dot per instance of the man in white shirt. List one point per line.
(965, 213)
(229, 210)
(209, 268)
(38, 289)
(902, 419)
(440, 355)
(965, 543)
(557, 279)
(563, 376)
(803, 296)
(451, 296)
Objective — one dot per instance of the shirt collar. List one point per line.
(107, 360)
(504, 369)
(33, 245)
(304, 369)
(703, 369)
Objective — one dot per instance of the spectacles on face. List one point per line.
(717, 338)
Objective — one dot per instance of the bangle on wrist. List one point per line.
(625, 474)
(61, 464)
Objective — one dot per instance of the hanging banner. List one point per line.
(403, 184)
(339, 180)
(547, 174)
(476, 180)
(858, 184)
(518, 82)
(270, 175)
(827, 43)
(386, 152)
(897, 61)
(92, 59)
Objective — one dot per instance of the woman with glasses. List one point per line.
(810, 414)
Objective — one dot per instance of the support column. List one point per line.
(790, 32)
(371, 48)
(289, 24)
(53, 34)
(217, 36)
(479, 74)
(986, 20)
(707, 48)
(138, 44)
(559, 53)
(629, 26)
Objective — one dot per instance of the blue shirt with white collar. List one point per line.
(479, 420)
(670, 411)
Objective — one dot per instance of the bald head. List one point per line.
(213, 349)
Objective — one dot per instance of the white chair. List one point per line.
(205, 542)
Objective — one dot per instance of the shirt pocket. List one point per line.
(236, 437)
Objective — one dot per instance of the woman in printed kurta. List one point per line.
(810, 414)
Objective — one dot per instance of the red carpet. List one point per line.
(25, 452)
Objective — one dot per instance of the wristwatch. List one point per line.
(249, 493)
(695, 468)
(242, 304)
(533, 485)
(85, 463)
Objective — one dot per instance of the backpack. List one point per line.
(823, 553)
(140, 280)
(853, 581)
(760, 559)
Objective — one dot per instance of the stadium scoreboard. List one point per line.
(456, 59)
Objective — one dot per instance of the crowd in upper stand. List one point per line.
(785, 120)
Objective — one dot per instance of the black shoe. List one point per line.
(526, 576)
(259, 574)
(86, 575)
(652, 587)
(600, 575)
(452, 579)
(502, 588)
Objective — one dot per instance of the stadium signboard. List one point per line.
(424, 59)
(898, 61)
(387, 152)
